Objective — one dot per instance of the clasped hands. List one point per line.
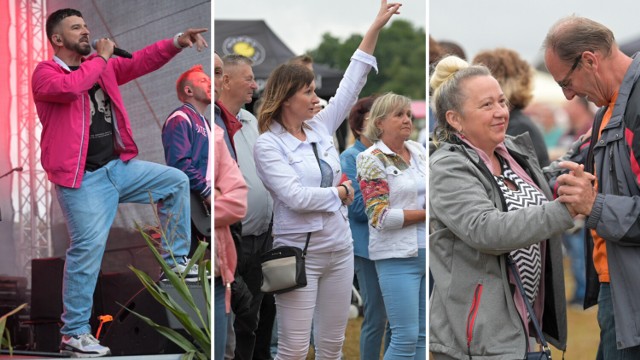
(576, 189)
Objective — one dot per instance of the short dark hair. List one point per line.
(236, 59)
(57, 16)
(357, 115)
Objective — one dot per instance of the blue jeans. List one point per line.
(89, 213)
(274, 339)
(608, 350)
(221, 319)
(403, 282)
(375, 318)
(574, 243)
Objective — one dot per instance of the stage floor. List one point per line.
(43, 356)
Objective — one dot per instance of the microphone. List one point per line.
(19, 168)
(116, 51)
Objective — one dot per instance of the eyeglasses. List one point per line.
(564, 83)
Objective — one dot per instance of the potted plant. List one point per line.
(5, 336)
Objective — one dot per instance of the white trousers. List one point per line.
(325, 301)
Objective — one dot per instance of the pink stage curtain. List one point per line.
(7, 248)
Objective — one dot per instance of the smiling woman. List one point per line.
(489, 203)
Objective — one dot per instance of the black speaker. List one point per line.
(114, 289)
(111, 290)
(46, 288)
(129, 335)
(13, 293)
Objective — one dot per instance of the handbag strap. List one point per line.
(315, 152)
(306, 244)
(532, 315)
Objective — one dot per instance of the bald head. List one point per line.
(571, 36)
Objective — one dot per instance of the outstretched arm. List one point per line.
(192, 37)
(385, 13)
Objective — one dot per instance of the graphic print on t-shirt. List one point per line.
(101, 149)
(100, 100)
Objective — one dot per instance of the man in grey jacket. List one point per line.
(239, 86)
(583, 57)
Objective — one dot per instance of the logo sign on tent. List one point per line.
(245, 46)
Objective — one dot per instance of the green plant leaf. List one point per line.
(205, 268)
(6, 341)
(5, 336)
(200, 348)
(3, 323)
(169, 333)
(177, 281)
(202, 338)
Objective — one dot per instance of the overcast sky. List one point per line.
(301, 23)
(522, 25)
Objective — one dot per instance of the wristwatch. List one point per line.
(175, 40)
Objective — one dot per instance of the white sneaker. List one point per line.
(82, 346)
(190, 276)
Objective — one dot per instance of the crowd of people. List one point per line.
(342, 208)
(503, 199)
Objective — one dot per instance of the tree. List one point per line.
(400, 52)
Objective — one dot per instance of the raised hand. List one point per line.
(191, 37)
(385, 13)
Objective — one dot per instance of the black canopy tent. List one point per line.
(630, 47)
(254, 39)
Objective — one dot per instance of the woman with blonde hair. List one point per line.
(515, 77)
(489, 204)
(392, 177)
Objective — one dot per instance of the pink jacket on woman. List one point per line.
(62, 101)
(230, 206)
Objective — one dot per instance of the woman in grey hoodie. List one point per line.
(488, 200)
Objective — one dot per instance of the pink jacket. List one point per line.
(230, 206)
(62, 101)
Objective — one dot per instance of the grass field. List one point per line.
(584, 333)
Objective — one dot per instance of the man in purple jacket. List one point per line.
(88, 153)
(185, 138)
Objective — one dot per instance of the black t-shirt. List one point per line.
(101, 148)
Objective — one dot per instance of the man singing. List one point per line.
(88, 153)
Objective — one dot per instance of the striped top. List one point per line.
(528, 260)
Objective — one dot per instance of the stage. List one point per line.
(41, 355)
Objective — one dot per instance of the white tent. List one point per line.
(546, 90)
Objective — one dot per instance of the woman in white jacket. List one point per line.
(297, 161)
(392, 178)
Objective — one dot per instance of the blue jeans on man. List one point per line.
(574, 243)
(608, 349)
(89, 212)
(221, 320)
